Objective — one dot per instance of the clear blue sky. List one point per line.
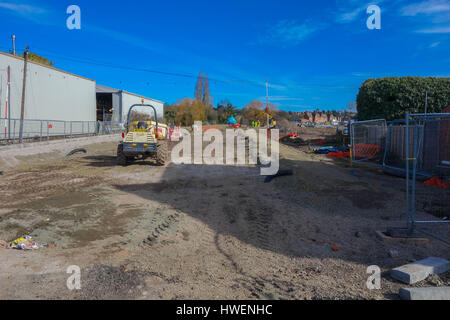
(314, 53)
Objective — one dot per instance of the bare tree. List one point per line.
(199, 87)
(351, 106)
(206, 95)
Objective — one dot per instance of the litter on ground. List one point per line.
(333, 246)
(24, 243)
(76, 151)
(326, 150)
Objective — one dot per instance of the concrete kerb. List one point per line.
(9, 153)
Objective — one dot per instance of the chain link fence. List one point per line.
(44, 130)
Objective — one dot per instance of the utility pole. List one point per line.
(267, 109)
(267, 102)
(7, 107)
(9, 103)
(22, 108)
(13, 37)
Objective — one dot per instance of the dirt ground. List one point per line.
(202, 231)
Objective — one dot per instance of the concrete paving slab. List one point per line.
(426, 293)
(420, 270)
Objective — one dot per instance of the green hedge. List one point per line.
(390, 98)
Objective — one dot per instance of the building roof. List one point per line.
(105, 89)
(99, 88)
(43, 65)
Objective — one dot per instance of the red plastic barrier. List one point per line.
(438, 183)
(210, 127)
(339, 154)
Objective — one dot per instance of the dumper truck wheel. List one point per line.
(121, 158)
(161, 153)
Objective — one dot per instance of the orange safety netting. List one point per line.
(366, 150)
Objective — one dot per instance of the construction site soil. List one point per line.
(188, 231)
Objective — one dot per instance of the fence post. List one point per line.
(70, 129)
(47, 131)
(82, 128)
(40, 136)
(408, 218)
(14, 132)
(387, 144)
(65, 130)
(413, 182)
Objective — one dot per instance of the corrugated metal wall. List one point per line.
(50, 93)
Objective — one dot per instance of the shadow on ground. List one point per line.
(323, 210)
(111, 161)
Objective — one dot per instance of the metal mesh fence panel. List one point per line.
(428, 137)
(41, 130)
(368, 140)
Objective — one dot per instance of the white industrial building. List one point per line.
(50, 93)
(56, 95)
(113, 104)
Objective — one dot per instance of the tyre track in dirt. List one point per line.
(249, 266)
(25, 186)
(160, 227)
(252, 264)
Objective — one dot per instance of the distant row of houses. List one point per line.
(322, 117)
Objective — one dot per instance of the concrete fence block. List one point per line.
(426, 293)
(420, 270)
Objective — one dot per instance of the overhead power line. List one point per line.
(118, 66)
(53, 54)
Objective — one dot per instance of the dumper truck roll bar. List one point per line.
(143, 105)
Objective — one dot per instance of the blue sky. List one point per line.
(314, 53)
